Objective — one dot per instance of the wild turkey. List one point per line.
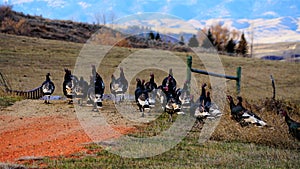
(151, 88)
(235, 110)
(207, 102)
(205, 109)
(80, 90)
(119, 86)
(151, 84)
(168, 86)
(160, 95)
(141, 97)
(69, 84)
(204, 99)
(203, 94)
(171, 108)
(201, 111)
(294, 127)
(184, 95)
(200, 114)
(48, 88)
(96, 89)
(242, 115)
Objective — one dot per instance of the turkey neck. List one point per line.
(288, 120)
(231, 104)
(152, 80)
(122, 74)
(48, 79)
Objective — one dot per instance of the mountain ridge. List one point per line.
(273, 30)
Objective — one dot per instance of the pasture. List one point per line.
(25, 61)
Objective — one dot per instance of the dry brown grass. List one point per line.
(275, 135)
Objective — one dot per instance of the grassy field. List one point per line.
(25, 61)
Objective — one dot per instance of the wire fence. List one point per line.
(35, 93)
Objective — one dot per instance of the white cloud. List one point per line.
(187, 2)
(293, 7)
(136, 8)
(270, 13)
(218, 11)
(165, 9)
(84, 4)
(55, 3)
(19, 1)
(51, 3)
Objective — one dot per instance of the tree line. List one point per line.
(225, 41)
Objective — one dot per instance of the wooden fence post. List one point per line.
(237, 78)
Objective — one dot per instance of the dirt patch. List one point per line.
(30, 128)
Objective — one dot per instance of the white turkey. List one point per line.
(119, 86)
(48, 88)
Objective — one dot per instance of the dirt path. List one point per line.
(30, 128)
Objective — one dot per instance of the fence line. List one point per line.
(237, 78)
(30, 94)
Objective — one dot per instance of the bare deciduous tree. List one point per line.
(100, 18)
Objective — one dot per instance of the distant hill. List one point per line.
(17, 23)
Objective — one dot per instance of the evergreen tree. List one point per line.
(242, 48)
(193, 42)
(230, 46)
(181, 42)
(157, 37)
(151, 35)
(209, 41)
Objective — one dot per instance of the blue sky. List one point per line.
(85, 11)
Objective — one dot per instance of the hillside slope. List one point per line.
(17, 23)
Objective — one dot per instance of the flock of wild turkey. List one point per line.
(172, 99)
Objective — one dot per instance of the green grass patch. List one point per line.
(189, 153)
(6, 101)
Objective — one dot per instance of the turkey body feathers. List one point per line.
(119, 85)
(96, 89)
(141, 96)
(242, 115)
(48, 88)
(81, 88)
(69, 84)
